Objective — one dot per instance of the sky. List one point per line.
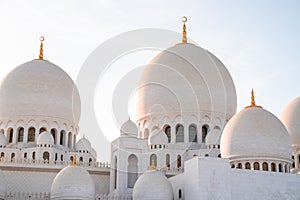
(258, 42)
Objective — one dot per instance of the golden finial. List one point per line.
(41, 56)
(74, 163)
(184, 39)
(253, 101)
(152, 164)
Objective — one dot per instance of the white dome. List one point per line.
(186, 79)
(3, 140)
(157, 136)
(213, 137)
(83, 145)
(39, 88)
(129, 128)
(255, 132)
(73, 182)
(2, 185)
(152, 185)
(291, 119)
(45, 138)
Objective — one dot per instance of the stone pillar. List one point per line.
(58, 137)
(14, 141)
(25, 136)
(173, 134)
(66, 139)
(186, 133)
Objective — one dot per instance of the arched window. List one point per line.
(132, 171)
(265, 166)
(115, 173)
(146, 133)
(280, 167)
(81, 159)
(62, 157)
(90, 160)
(192, 133)
(239, 166)
(273, 167)
(256, 166)
(46, 155)
(204, 132)
(53, 133)
(167, 130)
(33, 155)
(2, 154)
(179, 161)
(153, 160)
(62, 137)
(179, 133)
(20, 134)
(25, 155)
(10, 133)
(285, 168)
(12, 156)
(31, 134)
(168, 160)
(247, 165)
(179, 193)
(70, 140)
(55, 157)
(71, 158)
(232, 166)
(42, 130)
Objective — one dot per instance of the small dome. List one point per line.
(45, 138)
(39, 88)
(83, 145)
(3, 140)
(213, 136)
(153, 185)
(290, 117)
(2, 185)
(157, 136)
(129, 128)
(255, 132)
(73, 182)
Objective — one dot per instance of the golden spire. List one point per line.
(253, 101)
(41, 56)
(184, 39)
(152, 164)
(74, 163)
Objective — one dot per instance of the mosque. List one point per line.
(188, 141)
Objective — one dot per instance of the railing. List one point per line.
(112, 197)
(170, 170)
(25, 161)
(27, 195)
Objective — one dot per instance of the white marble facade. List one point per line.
(188, 141)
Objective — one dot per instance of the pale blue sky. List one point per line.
(258, 41)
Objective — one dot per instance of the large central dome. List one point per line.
(186, 79)
(39, 88)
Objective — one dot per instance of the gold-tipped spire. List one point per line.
(253, 101)
(184, 39)
(152, 167)
(74, 163)
(41, 56)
